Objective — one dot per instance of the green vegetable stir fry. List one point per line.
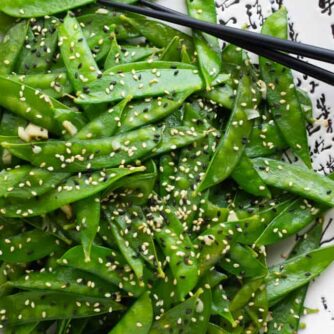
(141, 177)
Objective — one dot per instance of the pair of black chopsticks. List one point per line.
(266, 46)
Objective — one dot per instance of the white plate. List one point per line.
(311, 21)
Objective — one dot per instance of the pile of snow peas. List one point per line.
(142, 181)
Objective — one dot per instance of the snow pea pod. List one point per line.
(38, 8)
(138, 318)
(170, 323)
(88, 218)
(65, 280)
(22, 329)
(306, 105)
(35, 106)
(40, 47)
(282, 95)
(6, 22)
(73, 189)
(265, 139)
(286, 315)
(232, 144)
(207, 47)
(79, 61)
(221, 95)
(9, 178)
(244, 262)
(157, 33)
(243, 172)
(52, 306)
(299, 214)
(11, 46)
(177, 246)
(55, 85)
(106, 264)
(82, 155)
(28, 246)
(296, 272)
(296, 179)
(104, 125)
(172, 50)
(151, 110)
(140, 84)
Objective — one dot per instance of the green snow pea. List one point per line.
(231, 146)
(172, 50)
(52, 306)
(11, 46)
(65, 280)
(10, 177)
(306, 105)
(281, 93)
(88, 219)
(157, 33)
(23, 329)
(296, 272)
(221, 304)
(286, 315)
(35, 106)
(177, 246)
(140, 84)
(299, 214)
(221, 95)
(244, 262)
(134, 229)
(106, 264)
(81, 155)
(40, 47)
(106, 124)
(79, 61)
(212, 279)
(185, 57)
(150, 110)
(179, 318)
(138, 318)
(38, 8)
(296, 179)
(243, 172)
(6, 22)
(166, 173)
(28, 246)
(73, 189)
(207, 47)
(55, 85)
(265, 139)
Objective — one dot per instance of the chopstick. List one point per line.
(262, 45)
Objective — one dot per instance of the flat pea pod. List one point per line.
(298, 215)
(306, 105)
(207, 47)
(40, 47)
(11, 46)
(78, 59)
(88, 218)
(265, 140)
(27, 247)
(139, 113)
(282, 95)
(157, 33)
(296, 179)
(53, 306)
(106, 124)
(55, 85)
(172, 51)
(9, 178)
(140, 84)
(81, 155)
(23, 329)
(170, 323)
(34, 106)
(38, 8)
(242, 261)
(231, 146)
(6, 22)
(215, 329)
(104, 263)
(296, 272)
(63, 279)
(221, 304)
(177, 246)
(221, 95)
(138, 318)
(243, 172)
(73, 189)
